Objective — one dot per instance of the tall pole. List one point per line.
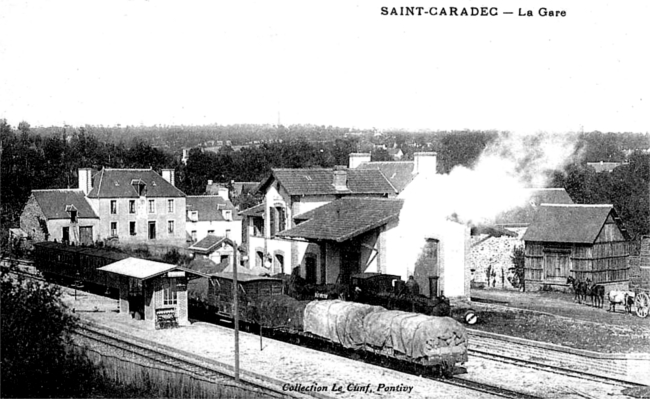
(236, 308)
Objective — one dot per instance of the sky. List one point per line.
(339, 63)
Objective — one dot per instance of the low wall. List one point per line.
(627, 367)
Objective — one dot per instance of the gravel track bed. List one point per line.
(298, 365)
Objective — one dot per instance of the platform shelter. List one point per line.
(153, 291)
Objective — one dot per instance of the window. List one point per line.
(227, 214)
(259, 258)
(194, 216)
(132, 228)
(114, 229)
(227, 233)
(152, 206)
(211, 232)
(170, 206)
(258, 227)
(113, 207)
(282, 219)
(65, 234)
(170, 296)
(132, 206)
(194, 235)
(73, 216)
(170, 226)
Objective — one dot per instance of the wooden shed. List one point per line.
(153, 291)
(583, 241)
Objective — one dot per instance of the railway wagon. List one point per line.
(436, 343)
(251, 288)
(76, 263)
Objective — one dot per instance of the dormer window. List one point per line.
(139, 186)
(194, 216)
(227, 214)
(72, 211)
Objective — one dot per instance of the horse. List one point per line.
(625, 298)
(597, 294)
(579, 288)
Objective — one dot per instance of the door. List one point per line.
(556, 267)
(350, 259)
(152, 230)
(310, 269)
(86, 235)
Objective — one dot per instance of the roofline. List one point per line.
(130, 169)
(78, 217)
(579, 205)
(56, 189)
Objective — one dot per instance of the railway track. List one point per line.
(252, 384)
(200, 369)
(557, 370)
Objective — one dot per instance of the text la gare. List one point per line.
(542, 12)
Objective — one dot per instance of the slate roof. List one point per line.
(604, 166)
(345, 218)
(320, 181)
(536, 196)
(209, 207)
(53, 203)
(574, 224)
(116, 183)
(399, 174)
(207, 244)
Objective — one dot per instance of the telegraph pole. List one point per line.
(235, 308)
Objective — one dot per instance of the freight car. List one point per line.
(78, 264)
(354, 328)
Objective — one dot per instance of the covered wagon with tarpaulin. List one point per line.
(153, 291)
(582, 241)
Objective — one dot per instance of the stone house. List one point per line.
(63, 215)
(136, 205)
(290, 192)
(212, 215)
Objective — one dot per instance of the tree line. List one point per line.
(31, 160)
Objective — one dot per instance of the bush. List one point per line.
(38, 359)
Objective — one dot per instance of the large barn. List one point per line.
(583, 241)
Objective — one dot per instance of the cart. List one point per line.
(642, 304)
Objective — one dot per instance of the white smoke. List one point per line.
(494, 184)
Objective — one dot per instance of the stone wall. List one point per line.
(29, 220)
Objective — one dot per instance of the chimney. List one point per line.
(340, 178)
(85, 180)
(425, 163)
(168, 174)
(223, 192)
(357, 159)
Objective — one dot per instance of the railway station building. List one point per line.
(153, 291)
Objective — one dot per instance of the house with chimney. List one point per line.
(364, 234)
(136, 205)
(63, 215)
(331, 235)
(290, 192)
